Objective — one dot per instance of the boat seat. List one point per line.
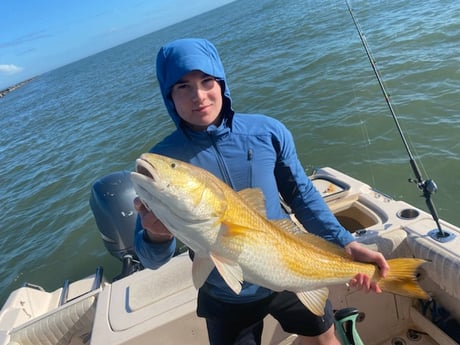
(61, 326)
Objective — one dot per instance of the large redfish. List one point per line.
(229, 231)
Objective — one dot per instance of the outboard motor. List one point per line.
(111, 201)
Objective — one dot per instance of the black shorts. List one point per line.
(229, 323)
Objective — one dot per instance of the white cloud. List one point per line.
(10, 69)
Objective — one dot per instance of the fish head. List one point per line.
(181, 195)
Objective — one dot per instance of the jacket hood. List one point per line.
(179, 57)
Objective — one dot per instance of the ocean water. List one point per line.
(299, 61)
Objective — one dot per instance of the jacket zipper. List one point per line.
(221, 163)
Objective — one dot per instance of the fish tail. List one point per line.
(402, 278)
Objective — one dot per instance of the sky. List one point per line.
(39, 36)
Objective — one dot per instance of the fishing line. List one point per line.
(428, 187)
(367, 144)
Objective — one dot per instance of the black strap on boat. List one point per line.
(428, 187)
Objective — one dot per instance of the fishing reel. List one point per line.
(427, 186)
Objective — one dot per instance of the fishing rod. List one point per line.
(428, 187)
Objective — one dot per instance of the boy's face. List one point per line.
(198, 100)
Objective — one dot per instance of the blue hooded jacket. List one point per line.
(245, 151)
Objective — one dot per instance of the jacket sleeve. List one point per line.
(152, 255)
(301, 195)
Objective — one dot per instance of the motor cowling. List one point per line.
(112, 205)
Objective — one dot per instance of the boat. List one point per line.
(143, 306)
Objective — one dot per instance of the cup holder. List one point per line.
(408, 213)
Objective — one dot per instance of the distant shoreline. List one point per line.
(14, 87)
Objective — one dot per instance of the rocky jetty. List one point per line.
(14, 87)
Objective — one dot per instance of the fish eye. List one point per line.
(173, 165)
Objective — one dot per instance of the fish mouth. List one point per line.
(144, 178)
(145, 168)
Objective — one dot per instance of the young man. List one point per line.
(244, 151)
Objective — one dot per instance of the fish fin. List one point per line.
(314, 300)
(402, 278)
(201, 268)
(295, 228)
(322, 244)
(287, 225)
(230, 271)
(229, 230)
(255, 198)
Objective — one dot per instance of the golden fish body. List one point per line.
(229, 231)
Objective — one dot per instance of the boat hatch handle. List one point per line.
(427, 187)
(96, 285)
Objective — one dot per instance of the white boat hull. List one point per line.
(159, 306)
